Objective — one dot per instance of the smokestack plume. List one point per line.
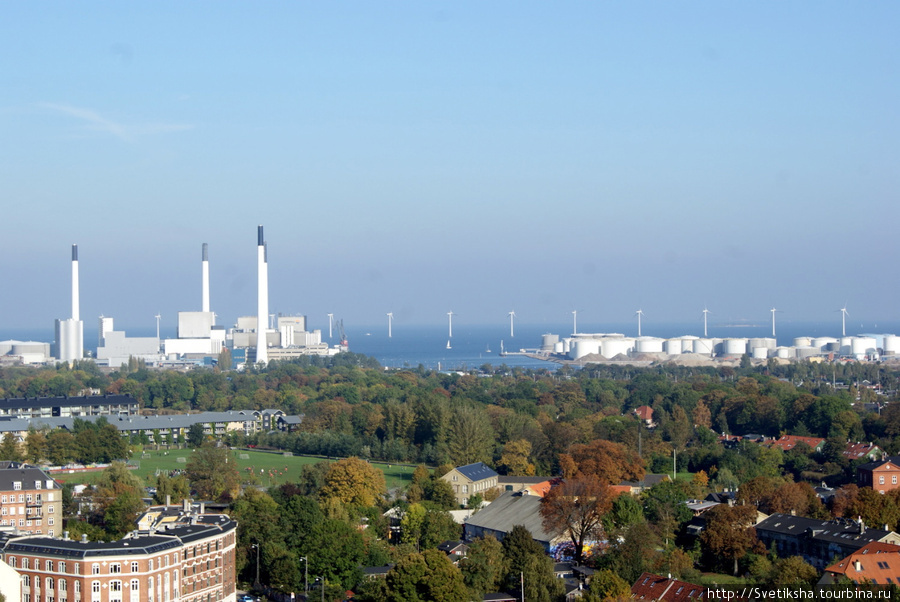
(75, 308)
(204, 293)
(262, 318)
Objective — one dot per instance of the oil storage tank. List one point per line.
(734, 347)
(891, 344)
(674, 347)
(613, 346)
(649, 345)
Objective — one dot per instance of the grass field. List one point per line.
(269, 468)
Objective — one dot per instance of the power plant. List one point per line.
(199, 340)
(69, 340)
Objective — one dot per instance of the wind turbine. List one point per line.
(639, 313)
(512, 316)
(157, 316)
(773, 310)
(574, 321)
(390, 316)
(844, 314)
(330, 323)
(705, 313)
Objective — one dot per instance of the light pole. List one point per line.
(321, 581)
(257, 561)
(305, 573)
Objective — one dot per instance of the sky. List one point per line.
(474, 157)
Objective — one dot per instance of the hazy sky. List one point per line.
(478, 157)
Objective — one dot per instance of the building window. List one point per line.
(49, 582)
(78, 587)
(50, 509)
(50, 521)
(95, 569)
(12, 561)
(3, 498)
(115, 567)
(17, 486)
(134, 566)
(37, 484)
(894, 479)
(21, 496)
(881, 480)
(26, 581)
(49, 565)
(61, 566)
(135, 590)
(26, 563)
(62, 585)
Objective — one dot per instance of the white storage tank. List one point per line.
(704, 346)
(612, 347)
(734, 346)
(785, 353)
(802, 342)
(863, 346)
(583, 347)
(891, 344)
(807, 351)
(823, 342)
(649, 345)
(759, 353)
(559, 347)
(673, 346)
(766, 343)
(549, 341)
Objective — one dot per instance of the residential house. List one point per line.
(645, 415)
(656, 587)
(859, 451)
(875, 562)
(471, 479)
(191, 560)
(881, 475)
(818, 541)
(30, 500)
(788, 442)
(534, 485)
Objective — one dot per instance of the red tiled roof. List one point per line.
(644, 412)
(655, 587)
(856, 451)
(787, 442)
(878, 563)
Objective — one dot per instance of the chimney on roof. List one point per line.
(65, 535)
(186, 505)
(84, 538)
(168, 500)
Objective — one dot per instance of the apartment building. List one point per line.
(30, 500)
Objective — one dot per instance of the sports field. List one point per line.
(267, 468)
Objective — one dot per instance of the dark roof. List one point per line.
(50, 402)
(25, 474)
(67, 548)
(476, 471)
(843, 531)
(879, 463)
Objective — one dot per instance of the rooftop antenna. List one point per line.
(574, 321)
(390, 316)
(705, 313)
(330, 324)
(157, 316)
(512, 332)
(639, 313)
(844, 314)
(773, 310)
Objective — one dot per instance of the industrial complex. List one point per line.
(199, 340)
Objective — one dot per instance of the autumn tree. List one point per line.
(729, 533)
(514, 459)
(606, 461)
(213, 473)
(606, 586)
(576, 508)
(353, 481)
(171, 489)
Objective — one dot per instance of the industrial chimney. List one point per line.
(204, 275)
(262, 318)
(75, 308)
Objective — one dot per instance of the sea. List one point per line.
(473, 346)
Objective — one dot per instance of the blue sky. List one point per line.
(475, 157)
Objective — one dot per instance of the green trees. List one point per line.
(212, 473)
(117, 500)
(425, 577)
(10, 449)
(484, 567)
(527, 564)
(195, 435)
(470, 438)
